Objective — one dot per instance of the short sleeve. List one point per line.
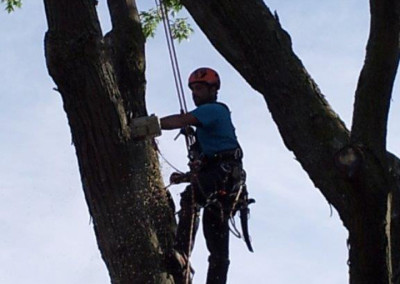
(208, 114)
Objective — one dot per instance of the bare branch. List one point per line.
(250, 37)
(126, 46)
(123, 13)
(376, 79)
(84, 22)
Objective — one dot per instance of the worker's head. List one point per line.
(204, 83)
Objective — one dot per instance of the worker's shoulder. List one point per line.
(215, 106)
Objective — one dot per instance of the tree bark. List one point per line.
(350, 169)
(376, 184)
(375, 84)
(102, 87)
(394, 169)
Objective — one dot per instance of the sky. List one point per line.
(46, 235)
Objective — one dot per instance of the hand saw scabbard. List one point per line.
(145, 127)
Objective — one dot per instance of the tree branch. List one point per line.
(250, 37)
(376, 79)
(126, 45)
(84, 22)
(123, 13)
(394, 170)
(252, 40)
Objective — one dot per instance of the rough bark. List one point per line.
(102, 87)
(394, 169)
(351, 171)
(375, 182)
(375, 84)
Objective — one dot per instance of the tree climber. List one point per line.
(216, 176)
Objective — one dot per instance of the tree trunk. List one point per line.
(102, 87)
(350, 169)
(394, 165)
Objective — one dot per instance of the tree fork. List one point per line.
(132, 216)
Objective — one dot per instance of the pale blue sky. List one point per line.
(46, 235)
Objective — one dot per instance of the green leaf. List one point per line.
(180, 28)
(150, 20)
(12, 4)
(175, 5)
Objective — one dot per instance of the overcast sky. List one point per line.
(46, 234)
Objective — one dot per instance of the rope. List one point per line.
(183, 109)
(175, 65)
(168, 162)
(191, 232)
(172, 55)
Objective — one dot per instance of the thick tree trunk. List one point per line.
(132, 216)
(351, 171)
(394, 165)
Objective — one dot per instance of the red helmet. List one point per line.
(205, 75)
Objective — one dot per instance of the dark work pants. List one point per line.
(215, 222)
(216, 233)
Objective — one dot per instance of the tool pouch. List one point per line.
(146, 126)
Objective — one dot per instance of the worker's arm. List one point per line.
(178, 121)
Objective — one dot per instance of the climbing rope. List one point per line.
(175, 65)
(172, 54)
(189, 139)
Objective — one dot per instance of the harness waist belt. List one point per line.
(235, 154)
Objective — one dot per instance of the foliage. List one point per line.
(12, 4)
(180, 28)
(173, 4)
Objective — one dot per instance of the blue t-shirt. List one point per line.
(216, 132)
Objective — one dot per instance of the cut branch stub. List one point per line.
(348, 161)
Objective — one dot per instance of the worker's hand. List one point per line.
(187, 130)
(177, 178)
(195, 165)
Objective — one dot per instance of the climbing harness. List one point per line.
(237, 197)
